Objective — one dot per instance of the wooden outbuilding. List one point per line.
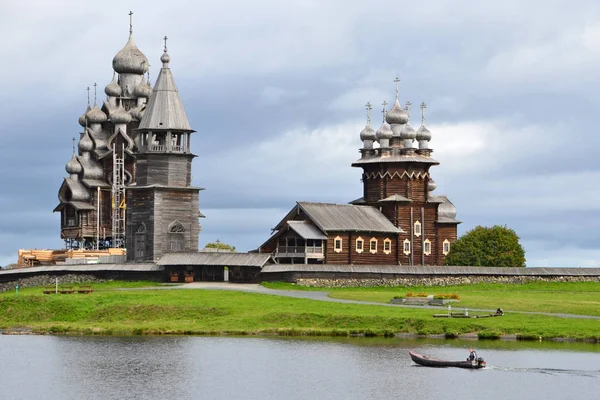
(214, 266)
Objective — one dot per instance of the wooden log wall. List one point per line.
(349, 254)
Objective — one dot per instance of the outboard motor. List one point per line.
(481, 362)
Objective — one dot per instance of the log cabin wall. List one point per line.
(164, 169)
(430, 232)
(140, 214)
(379, 255)
(171, 206)
(350, 255)
(341, 257)
(445, 232)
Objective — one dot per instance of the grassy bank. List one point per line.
(581, 298)
(110, 311)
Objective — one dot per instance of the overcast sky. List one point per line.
(276, 92)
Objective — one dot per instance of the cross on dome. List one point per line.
(397, 81)
(369, 108)
(165, 39)
(384, 104)
(423, 107)
(130, 22)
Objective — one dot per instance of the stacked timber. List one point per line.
(33, 258)
(91, 256)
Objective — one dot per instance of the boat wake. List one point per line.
(548, 371)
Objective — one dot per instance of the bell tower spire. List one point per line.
(164, 175)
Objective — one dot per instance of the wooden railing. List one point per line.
(300, 250)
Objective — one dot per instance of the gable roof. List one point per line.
(307, 230)
(346, 217)
(226, 259)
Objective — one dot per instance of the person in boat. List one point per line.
(472, 355)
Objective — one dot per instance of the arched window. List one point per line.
(176, 236)
(140, 242)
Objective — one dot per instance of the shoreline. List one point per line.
(285, 332)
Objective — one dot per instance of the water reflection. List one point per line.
(52, 367)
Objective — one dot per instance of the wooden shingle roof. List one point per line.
(229, 259)
(346, 217)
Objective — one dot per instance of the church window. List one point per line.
(417, 229)
(427, 247)
(406, 246)
(337, 244)
(446, 247)
(176, 236)
(360, 243)
(373, 245)
(140, 242)
(387, 246)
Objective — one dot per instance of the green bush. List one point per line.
(497, 246)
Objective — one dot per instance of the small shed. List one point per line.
(214, 266)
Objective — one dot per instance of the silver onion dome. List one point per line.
(96, 116)
(113, 89)
(85, 143)
(120, 116)
(130, 59)
(423, 133)
(408, 132)
(165, 58)
(384, 132)
(431, 185)
(446, 210)
(368, 133)
(83, 118)
(396, 115)
(73, 167)
(142, 90)
(137, 113)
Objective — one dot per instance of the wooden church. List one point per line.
(398, 220)
(129, 183)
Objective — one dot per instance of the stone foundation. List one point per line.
(438, 281)
(49, 280)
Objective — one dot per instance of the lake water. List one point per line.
(64, 367)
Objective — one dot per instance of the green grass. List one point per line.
(109, 311)
(581, 298)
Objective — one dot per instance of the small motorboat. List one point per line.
(475, 363)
